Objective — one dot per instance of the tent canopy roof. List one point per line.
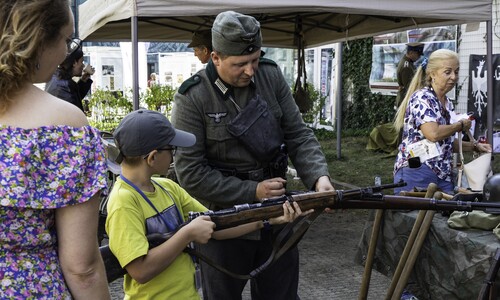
(321, 21)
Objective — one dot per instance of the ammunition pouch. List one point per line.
(257, 129)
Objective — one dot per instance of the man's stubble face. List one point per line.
(237, 70)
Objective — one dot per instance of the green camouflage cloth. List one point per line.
(452, 264)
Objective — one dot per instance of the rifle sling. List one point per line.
(298, 228)
(283, 242)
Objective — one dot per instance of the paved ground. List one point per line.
(327, 263)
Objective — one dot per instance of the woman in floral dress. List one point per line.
(52, 164)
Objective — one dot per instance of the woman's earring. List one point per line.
(37, 66)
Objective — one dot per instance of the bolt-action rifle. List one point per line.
(363, 198)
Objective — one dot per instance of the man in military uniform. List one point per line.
(221, 171)
(406, 69)
(202, 45)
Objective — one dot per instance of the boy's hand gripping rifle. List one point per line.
(363, 198)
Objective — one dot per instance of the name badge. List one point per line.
(424, 149)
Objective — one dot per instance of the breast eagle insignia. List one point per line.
(217, 116)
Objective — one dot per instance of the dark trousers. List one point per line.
(278, 282)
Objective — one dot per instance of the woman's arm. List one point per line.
(469, 147)
(435, 132)
(79, 255)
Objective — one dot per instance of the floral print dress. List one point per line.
(42, 169)
(423, 107)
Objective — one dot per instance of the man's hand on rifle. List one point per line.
(323, 184)
(270, 188)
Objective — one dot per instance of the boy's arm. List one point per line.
(289, 215)
(146, 267)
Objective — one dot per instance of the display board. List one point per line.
(389, 48)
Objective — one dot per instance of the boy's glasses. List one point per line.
(172, 150)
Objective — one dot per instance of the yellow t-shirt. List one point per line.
(126, 227)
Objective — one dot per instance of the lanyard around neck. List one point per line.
(151, 203)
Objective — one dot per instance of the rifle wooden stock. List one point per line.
(367, 198)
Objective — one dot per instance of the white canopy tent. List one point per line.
(317, 22)
(323, 21)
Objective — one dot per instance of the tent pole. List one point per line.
(135, 63)
(338, 98)
(75, 16)
(489, 82)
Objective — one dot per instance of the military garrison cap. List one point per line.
(236, 34)
(201, 38)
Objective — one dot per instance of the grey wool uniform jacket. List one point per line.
(202, 107)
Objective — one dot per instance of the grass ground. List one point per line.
(356, 166)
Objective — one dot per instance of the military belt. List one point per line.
(254, 175)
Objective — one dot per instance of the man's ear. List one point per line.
(215, 58)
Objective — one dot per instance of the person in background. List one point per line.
(52, 164)
(222, 170)
(141, 204)
(202, 45)
(424, 115)
(406, 69)
(152, 80)
(62, 84)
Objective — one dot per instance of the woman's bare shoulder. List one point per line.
(34, 107)
(65, 113)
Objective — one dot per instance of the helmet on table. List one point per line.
(491, 189)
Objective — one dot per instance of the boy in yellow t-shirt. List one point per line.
(140, 205)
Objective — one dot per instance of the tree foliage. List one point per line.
(107, 108)
(158, 96)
